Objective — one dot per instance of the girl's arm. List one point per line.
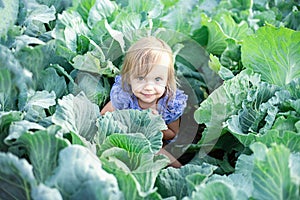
(107, 108)
(173, 161)
(173, 129)
(169, 134)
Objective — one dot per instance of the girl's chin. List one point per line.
(147, 98)
(148, 102)
(144, 104)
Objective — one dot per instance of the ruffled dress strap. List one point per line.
(120, 98)
(173, 108)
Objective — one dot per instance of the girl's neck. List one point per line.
(144, 106)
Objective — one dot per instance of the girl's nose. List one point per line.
(149, 86)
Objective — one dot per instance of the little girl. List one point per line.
(147, 81)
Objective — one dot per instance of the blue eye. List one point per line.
(158, 79)
(140, 78)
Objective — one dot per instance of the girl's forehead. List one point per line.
(162, 65)
(164, 60)
(161, 58)
(157, 61)
(154, 68)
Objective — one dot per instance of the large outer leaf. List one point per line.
(293, 88)
(39, 12)
(217, 189)
(134, 146)
(42, 148)
(90, 62)
(6, 118)
(33, 17)
(18, 128)
(130, 158)
(43, 99)
(230, 28)
(174, 182)
(132, 121)
(83, 7)
(16, 177)
(222, 27)
(152, 8)
(51, 81)
(31, 59)
(68, 26)
(96, 87)
(274, 53)
(58, 4)
(216, 43)
(130, 24)
(271, 173)
(182, 16)
(288, 138)
(126, 181)
(243, 171)
(9, 10)
(79, 175)
(77, 114)
(42, 192)
(19, 78)
(8, 93)
(102, 9)
(295, 168)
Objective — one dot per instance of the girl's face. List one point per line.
(150, 87)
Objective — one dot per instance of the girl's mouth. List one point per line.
(147, 95)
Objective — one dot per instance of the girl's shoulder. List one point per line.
(178, 100)
(174, 107)
(120, 98)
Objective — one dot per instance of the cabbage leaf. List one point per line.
(86, 180)
(130, 158)
(132, 121)
(273, 53)
(77, 114)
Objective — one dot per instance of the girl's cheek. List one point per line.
(136, 87)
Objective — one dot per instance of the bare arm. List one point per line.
(173, 161)
(173, 129)
(169, 134)
(107, 108)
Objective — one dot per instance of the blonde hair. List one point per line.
(142, 56)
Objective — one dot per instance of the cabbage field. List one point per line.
(238, 61)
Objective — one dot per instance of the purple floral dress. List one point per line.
(170, 112)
